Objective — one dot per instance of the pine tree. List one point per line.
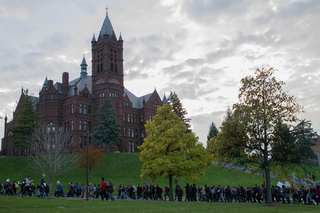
(26, 120)
(174, 101)
(213, 131)
(107, 129)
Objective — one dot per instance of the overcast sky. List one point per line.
(198, 48)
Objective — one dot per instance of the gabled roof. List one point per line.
(81, 82)
(137, 102)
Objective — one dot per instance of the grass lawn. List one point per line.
(123, 168)
(16, 204)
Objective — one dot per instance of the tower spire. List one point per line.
(83, 66)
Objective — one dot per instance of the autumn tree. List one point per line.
(169, 151)
(52, 153)
(107, 129)
(26, 121)
(176, 104)
(95, 155)
(249, 136)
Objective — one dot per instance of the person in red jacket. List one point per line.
(103, 189)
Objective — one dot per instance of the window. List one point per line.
(132, 133)
(150, 117)
(89, 126)
(65, 127)
(142, 133)
(124, 131)
(129, 146)
(71, 126)
(115, 68)
(141, 118)
(129, 131)
(80, 141)
(124, 103)
(80, 110)
(84, 95)
(71, 109)
(51, 127)
(89, 109)
(85, 125)
(68, 127)
(136, 133)
(132, 147)
(135, 118)
(129, 117)
(85, 109)
(80, 125)
(124, 116)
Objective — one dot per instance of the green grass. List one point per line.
(16, 204)
(123, 168)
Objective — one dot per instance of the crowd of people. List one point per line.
(207, 193)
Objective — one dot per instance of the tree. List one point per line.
(169, 151)
(26, 120)
(213, 131)
(107, 129)
(174, 101)
(95, 155)
(52, 153)
(249, 136)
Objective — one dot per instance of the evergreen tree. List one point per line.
(26, 120)
(174, 101)
(107, 129)
(169, 151)
(213, 131)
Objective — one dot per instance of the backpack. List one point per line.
(161, 190)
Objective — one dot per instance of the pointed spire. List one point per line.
(164, 100)
(107, 28)
(120, 37)
(93, 38)
(45, 83)
(83, 66)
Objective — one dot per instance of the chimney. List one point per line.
(65, 83)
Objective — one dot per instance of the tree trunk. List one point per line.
(50, 188)
(268, 183)
(170, 188)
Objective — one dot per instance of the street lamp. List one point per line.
(88, 134)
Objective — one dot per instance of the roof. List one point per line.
(137, 102)
(82, 82)
(107, 27)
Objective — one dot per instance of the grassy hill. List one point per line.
(121, 168)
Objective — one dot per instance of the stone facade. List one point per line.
(73, 105)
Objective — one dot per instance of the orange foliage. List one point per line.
(95, 154)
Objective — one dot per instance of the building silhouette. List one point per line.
(73, 104)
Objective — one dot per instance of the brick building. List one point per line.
(73, 104)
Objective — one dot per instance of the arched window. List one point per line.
(85, 109)
(71, 126)
(80, 125)
(129, 117)
(80, 109)
(85, 126)
(124, 116)
(71, 109)
(132, 133)
(51, 127)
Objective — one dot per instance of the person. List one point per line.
(139, 191)
(58, 190)
(313, 177)
(257, 193)
(103, 189)
(42, 186)
(286, 194)
(27, 186)
(111, 190)
(166, 192)
(83, 190)
(77, 189)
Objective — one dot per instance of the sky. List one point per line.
(200, 49)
